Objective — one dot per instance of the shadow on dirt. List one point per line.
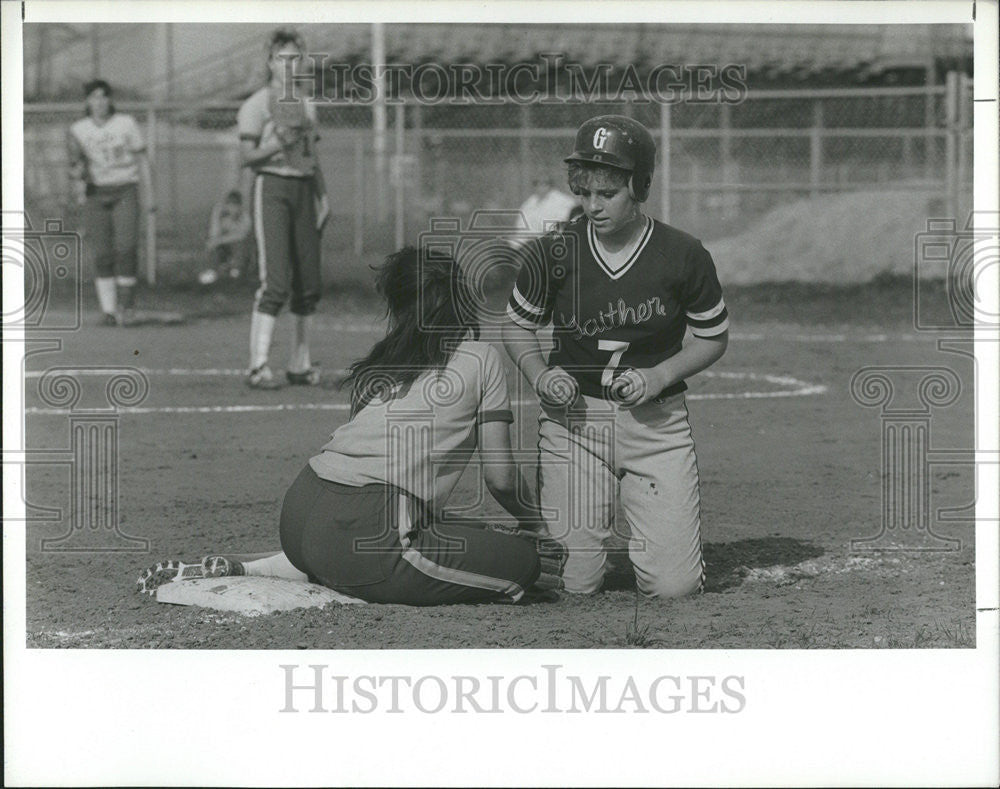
(726, 563)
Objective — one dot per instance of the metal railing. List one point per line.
(720, 167)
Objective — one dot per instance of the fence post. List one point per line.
(728, 176)
(951, 110)
(816, 149)
(524, 185)
(694, 187)
(150, 216)
(961, 154)
(400, 171)
(379, 117)
(930, 140)
(665, 162)
(359, 194)
(417, 147)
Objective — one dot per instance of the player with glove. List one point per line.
(619, 290)
(278, 138)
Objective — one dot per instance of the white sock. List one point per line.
(107, 294)
(126, 291)
(276, 566)
(261, 332)
(300, 361)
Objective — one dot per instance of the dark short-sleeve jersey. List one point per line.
(606, 320)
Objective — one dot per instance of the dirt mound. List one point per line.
(846, 238)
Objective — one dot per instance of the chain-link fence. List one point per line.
(720, 167)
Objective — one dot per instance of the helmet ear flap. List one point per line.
(639, 191)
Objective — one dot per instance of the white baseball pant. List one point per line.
(593, 452)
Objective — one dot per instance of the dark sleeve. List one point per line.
(530, 303)
(701, 298)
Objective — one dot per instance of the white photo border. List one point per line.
(851, 717)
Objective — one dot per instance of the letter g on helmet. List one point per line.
(618, 141)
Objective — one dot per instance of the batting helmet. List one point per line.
(619, 142)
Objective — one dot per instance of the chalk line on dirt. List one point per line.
(799, 389)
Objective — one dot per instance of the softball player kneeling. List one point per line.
(364, 517)
(619, 290)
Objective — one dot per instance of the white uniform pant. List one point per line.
(595, 451)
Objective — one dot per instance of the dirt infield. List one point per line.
(791, 467)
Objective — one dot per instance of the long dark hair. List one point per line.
(430, 307)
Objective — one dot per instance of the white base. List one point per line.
(249, 595)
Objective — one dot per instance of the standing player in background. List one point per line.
(278, 137)
(614, 419)
(108, 163)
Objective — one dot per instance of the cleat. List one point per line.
(109, 319)
(221, 567)
(165, 572)
(127, 317)
(309, 377)
(262, 378)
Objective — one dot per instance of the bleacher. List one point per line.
(785, 54)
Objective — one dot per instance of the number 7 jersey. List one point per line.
(610, 315)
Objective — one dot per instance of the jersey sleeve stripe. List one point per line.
(254, 138)
(526, 305)
(709, 323)
(708, 314)
(496, 415)
(540, 319)
(710, 331)
(524, 322)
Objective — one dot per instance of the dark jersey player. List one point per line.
(620, 292)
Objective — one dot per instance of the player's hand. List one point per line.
(635, 387)
(556, 387)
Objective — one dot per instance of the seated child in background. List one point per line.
(228, 233)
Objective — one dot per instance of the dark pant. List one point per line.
(288, 253)
(230, 255)
(111, 221)
(348, 538)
